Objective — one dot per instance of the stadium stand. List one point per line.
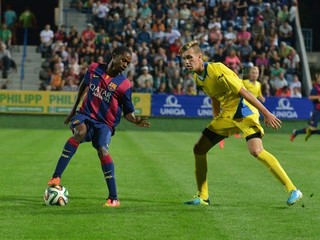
(227, 31)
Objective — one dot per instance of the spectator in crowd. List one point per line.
(283, 92)
(279, 82)
(61, 34)
(295, 93)
(291, 64)
(88, 36)
(295, 84)
(141, 80)
(56, 81)
(232, 61)
(71, 81)
(46, 40)
(286, 32)
(145, 13)
(178, 90)
(198, 14)
(283, 14)
(243, 35)
(100, 12)
(262, 62)
(6, 63)
(242, 8)
(10, 18)
(191, 90)
(27, 25)
(268, 15)
(245, 53)
(6, 35)
(184, 15)
(173, 15)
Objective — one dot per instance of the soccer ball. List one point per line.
(56, 195)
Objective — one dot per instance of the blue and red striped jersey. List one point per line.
(107, 97)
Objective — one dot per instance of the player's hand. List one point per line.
(142, 122)
(273, 121)
(69, 117)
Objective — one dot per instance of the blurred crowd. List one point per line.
(239, 33)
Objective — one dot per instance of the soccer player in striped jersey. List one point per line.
(106, 94)
(315, 118)
(234, 109)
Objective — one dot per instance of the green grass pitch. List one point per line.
(155, 174)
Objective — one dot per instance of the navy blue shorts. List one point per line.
(315, 118)
(98, 133)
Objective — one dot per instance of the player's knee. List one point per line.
(198, 149)
(80, 132)
(102, 152)
(255, 152)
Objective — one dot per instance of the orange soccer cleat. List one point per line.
(112, 203)
(54, 181)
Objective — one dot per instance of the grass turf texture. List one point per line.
(155, 174)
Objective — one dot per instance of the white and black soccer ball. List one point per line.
(56, 195)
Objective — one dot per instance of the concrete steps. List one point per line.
(32, 65)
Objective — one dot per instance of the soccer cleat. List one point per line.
(221, 144)
(308, 134)
(111, 203)
(198, 201)
(295, 196)
(54, 181)
(293, 135)
(237, 135)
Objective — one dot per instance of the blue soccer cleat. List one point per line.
(295, 196)
(198, 201)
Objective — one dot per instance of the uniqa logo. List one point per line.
(172, 107)
(284, 110)
(172, 101)
(205, 108)
(284, 104)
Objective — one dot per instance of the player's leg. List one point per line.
(295, 133)
(101, 141)
(255, 147)
(312, 129)
(68, 151)
(206, 141)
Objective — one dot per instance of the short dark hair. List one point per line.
(121, 50)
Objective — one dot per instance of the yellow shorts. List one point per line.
(226, 127)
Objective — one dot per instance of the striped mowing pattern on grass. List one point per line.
(155, 174)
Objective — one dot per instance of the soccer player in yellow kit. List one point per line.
(234, 109)
(252, 84)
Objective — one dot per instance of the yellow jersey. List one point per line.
(223, 84)
(254, 88)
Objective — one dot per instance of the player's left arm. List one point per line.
(269, 118)
(128, 111)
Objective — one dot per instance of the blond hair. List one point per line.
(192, 44)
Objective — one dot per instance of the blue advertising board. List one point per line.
(200, 106)
(290, 108)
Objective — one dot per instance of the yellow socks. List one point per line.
(272, 163)
(201, 175)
